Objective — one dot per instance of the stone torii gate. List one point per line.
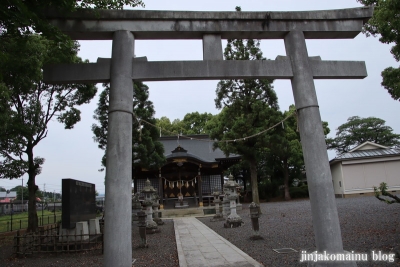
(123, 27)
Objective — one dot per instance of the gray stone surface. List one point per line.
(212, 47)
(198, 245)
(204, 70)
(345, 23)
(117, 244)
(323, 206)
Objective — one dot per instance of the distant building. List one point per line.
(356, 172)
(7, 197)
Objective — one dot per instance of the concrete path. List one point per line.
(199, 246)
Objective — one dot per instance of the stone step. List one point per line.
(188, 212)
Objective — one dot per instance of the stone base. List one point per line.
(181, 205)
(81, 232)
(150, 231)
(94, 226)
(217, 218)
(256, 237)
(233, 221)
(233, 224)
(159, 221)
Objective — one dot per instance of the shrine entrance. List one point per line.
(123, 27)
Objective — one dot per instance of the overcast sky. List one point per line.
(74, 154)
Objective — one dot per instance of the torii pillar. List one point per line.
(323, 206)
(118, 248)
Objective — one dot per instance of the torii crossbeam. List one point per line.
(123, 27)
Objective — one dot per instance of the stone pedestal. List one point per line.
(94, 226)
(151, 226)
(225, 206)
(80, 233)
(156, 217)
(233, 220)
(142, 229)
(218, 216)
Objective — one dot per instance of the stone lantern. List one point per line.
(148, 191)
(218, 216)
(233, 220)
(226, 210)
(136, 206)
(156, 205)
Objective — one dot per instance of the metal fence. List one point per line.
(49, 240)
(12, 217)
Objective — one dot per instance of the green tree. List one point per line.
(285, 146)
(33, 104)
(192, 123)
(147, 151)
(2, 189)
(25, 192)
(27, 16)
(359, 130)
(248, 107)
(195, 123)
(382, 191)
(167, 127)
(385, 22)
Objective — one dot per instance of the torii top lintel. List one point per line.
(211, 27)
(101, 24)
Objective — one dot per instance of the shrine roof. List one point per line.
(195, 146)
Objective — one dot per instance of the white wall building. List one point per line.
(356, 172)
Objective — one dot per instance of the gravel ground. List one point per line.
(366, 223)
(161, 252)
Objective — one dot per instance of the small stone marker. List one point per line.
(142, 229)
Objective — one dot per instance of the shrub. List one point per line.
(299, 192)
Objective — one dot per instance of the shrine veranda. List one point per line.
(123, 27)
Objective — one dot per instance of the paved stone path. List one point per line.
(199, 246)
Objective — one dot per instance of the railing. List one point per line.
(48, 240)
(12, 219)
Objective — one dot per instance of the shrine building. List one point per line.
(193, 170)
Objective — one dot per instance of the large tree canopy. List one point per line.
(248, 107)
(27, 105)
(32, 104)
(359, 130)
(27, 16)
(192, 123)
(386, 23)
(147, 151)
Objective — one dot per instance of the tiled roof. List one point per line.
(199, 149)
(11, 194)
(370, 153)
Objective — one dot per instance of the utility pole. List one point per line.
(22, 194)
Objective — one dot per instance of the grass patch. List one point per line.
(20, 220)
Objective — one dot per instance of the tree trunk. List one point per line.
(286, 179)
(32, 188)
(254, 184)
